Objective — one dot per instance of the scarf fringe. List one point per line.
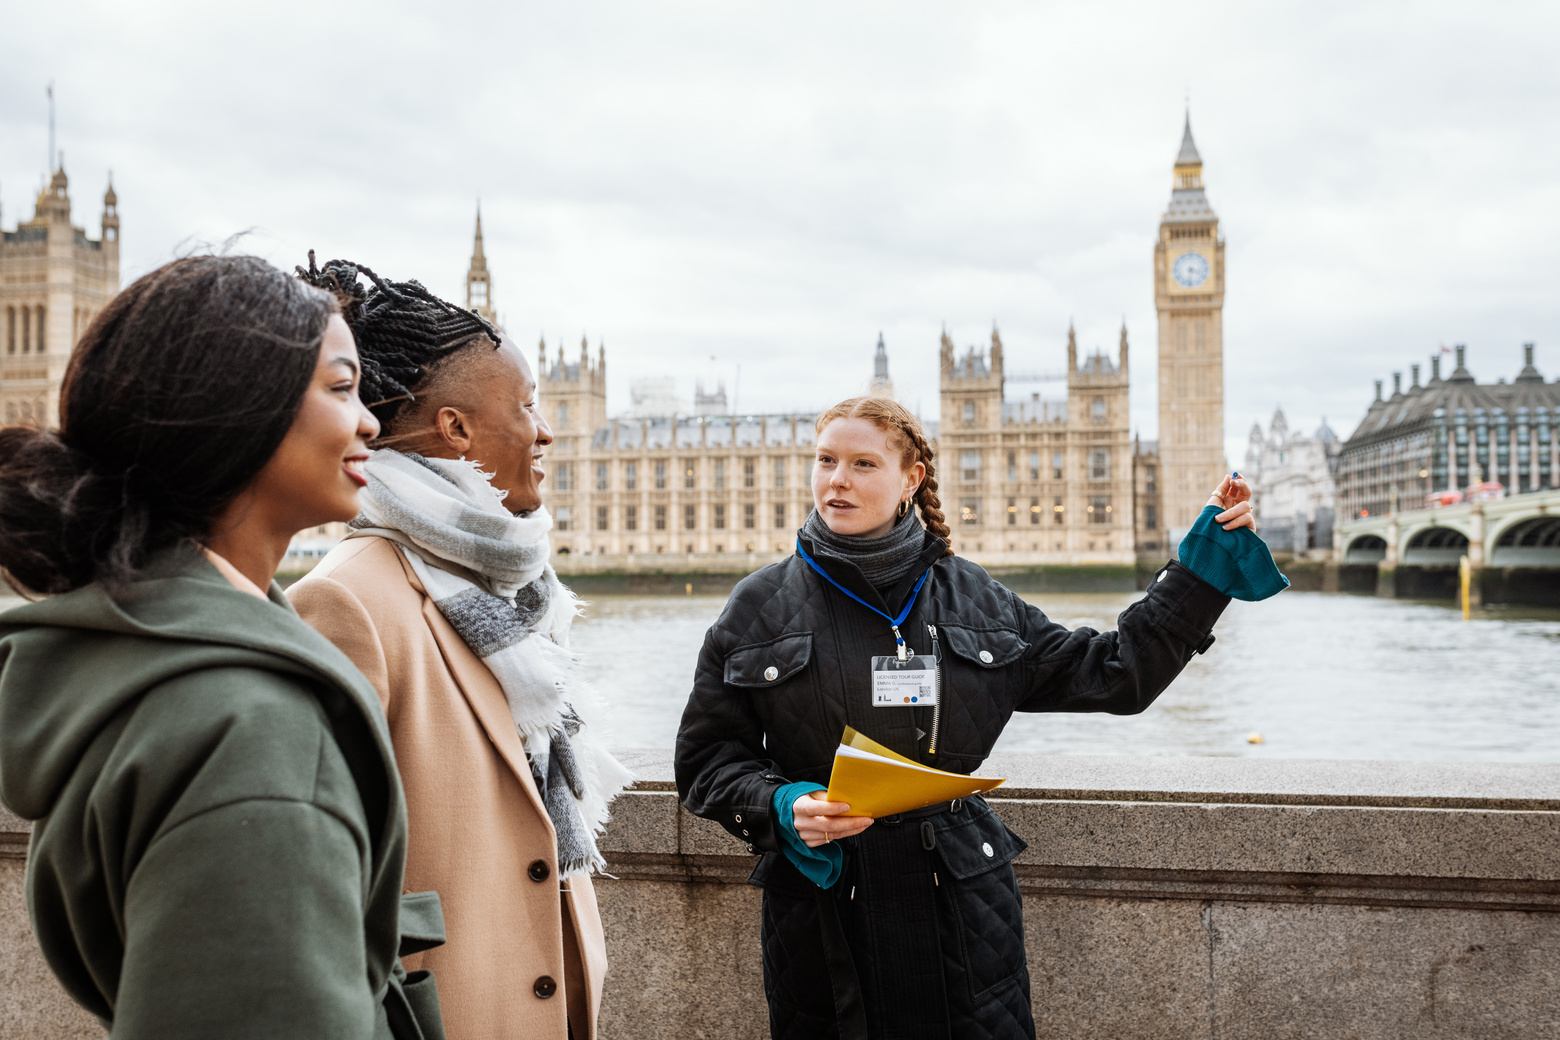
(449, 522)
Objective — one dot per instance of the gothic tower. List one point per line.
(53, 281)
(479, 287)
(882, 385)
(1189, 296)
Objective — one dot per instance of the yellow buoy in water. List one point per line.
(1464, 579)
(688, 587)
(1253, 738)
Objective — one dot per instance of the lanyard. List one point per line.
(893, 622)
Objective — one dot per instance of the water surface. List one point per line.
(1318, 676)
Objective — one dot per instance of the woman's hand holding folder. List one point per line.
(819, 821)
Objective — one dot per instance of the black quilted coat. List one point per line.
(923, 935)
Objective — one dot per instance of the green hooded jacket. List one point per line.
(220, 833)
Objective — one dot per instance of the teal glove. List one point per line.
(1237, 562)
(823, 865)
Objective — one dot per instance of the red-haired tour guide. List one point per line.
(910, 926)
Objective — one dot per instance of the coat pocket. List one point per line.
(983, 647)
(422, 922)
(761, 665)
(411, 1006)
(983, 922)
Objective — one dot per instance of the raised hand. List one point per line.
(1233, 496)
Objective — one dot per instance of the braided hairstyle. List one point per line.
(904, 431)
(404, 333)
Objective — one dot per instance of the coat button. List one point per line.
(545, 987)
(985, 847)
(1162, 575)
(771, 673)
(985, 657)
(539, 870)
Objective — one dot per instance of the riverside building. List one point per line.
(1033, 481)
(1025, 481)
(1449, 434)
(1291, 478)
(53, 280)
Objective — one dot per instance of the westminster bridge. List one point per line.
(1512, 543)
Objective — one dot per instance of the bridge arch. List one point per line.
(1533, 542)
(1366, 548)
(1434, 545)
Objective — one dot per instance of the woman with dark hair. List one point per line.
(443, 595)
(910, 926)
(219, 833)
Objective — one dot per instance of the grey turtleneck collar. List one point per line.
(883, 560)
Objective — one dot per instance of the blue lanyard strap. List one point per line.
(893, 622)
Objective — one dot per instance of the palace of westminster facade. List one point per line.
(1022, 482)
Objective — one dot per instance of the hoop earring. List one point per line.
(904, 509)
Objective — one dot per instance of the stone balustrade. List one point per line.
(1163, 898)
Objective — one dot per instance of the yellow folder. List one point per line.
(875, 781)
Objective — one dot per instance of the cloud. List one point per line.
(774, 184)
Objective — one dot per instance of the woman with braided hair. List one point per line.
(909, 926)
(444, 597)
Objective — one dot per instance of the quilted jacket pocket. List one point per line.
(979, 842)
(983, 647)
(986, 923)
(759, 665)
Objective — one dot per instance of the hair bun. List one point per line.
(52, 500)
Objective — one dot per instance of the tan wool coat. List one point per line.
(479, 833)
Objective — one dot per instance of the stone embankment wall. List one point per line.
(1163, 898)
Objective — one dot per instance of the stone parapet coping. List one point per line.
(1460, 835)
(1238, 781)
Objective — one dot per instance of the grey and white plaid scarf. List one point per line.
(488, 573)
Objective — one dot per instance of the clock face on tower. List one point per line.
(1190, 269)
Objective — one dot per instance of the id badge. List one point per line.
(911, 683)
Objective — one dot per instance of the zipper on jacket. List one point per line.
(931, 745)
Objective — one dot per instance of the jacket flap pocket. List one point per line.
(986, 647)
(422, 922)
(978, 843)
(766, 664)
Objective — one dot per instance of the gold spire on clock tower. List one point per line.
(1189, 296)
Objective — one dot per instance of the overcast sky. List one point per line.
(771, 185)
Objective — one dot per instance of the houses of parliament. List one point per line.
(1024, 481)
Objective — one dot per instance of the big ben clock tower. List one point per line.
(1189, 296)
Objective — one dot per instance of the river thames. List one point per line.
(1317, 675)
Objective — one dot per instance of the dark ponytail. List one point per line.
(176, 396)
